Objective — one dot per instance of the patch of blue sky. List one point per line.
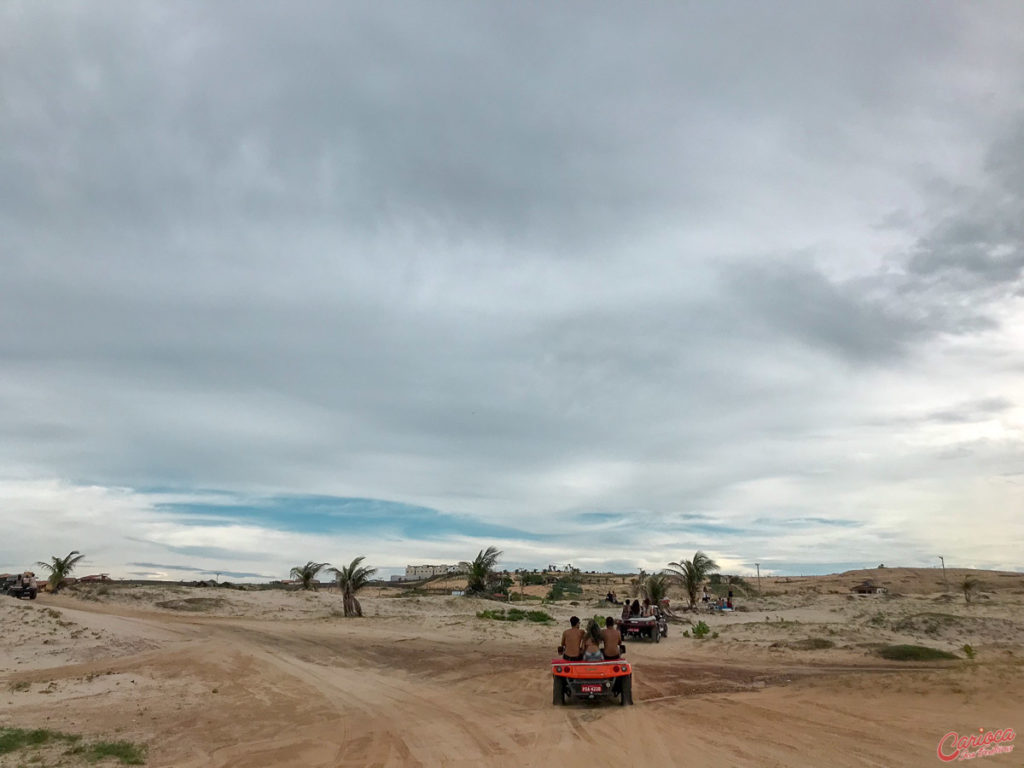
(331, 514)
(675, 523)
(601, 517)
(711, 529)
(790, 568)
(194, 569)
(801, 521)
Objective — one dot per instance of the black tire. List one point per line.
(664, 632)
(626, 690)
(557, 691)
(32, 595)
(657, 633)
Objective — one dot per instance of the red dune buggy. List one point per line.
(591, 680)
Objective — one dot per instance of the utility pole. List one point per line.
(758, 566)
(944, 572)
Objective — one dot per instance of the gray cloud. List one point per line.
(499, 261)
(978, 241)
(213, 553)
(978, 410)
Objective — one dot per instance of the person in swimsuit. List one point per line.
(592, 642)
(572, 641)
(612, 639)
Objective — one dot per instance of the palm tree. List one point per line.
(307, 574)
(691, 574)
(351, 579)
(60, 568)
(655, 588)
(968, 585)
(481, 570)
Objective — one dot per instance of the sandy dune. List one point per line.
(220, 677)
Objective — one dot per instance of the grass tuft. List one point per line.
(125, 751)
(913, 653)
(811, 644)
(15, 739)
(514, 614)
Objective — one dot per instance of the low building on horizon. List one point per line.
(868, 587)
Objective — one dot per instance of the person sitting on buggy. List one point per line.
(572, 641)
(612, 639)
(592, 643)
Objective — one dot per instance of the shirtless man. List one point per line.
(612, 639)
(572, 641)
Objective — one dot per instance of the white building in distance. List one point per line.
(417, 572)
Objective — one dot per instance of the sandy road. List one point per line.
(209, 692)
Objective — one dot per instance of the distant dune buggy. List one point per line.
(650, 627)
(19, 587)
(591, 680)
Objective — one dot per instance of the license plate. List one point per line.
(590, 689)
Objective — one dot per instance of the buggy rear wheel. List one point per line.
(626, 690)
(557, 690)
(657, 633)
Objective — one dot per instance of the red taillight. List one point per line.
(615, 668)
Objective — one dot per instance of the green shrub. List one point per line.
(700, 630)
(811, 644)
(15, 739)
(494, 615)
(878, 620)
(514, 614)
(515, 597)
(968, 651)
(913, 653)
(125, 751)
(564, 587)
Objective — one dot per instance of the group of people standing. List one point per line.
(720, 603)
(592, 644)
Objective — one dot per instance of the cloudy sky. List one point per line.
(594, 283)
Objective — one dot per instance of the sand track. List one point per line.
(411, 687)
